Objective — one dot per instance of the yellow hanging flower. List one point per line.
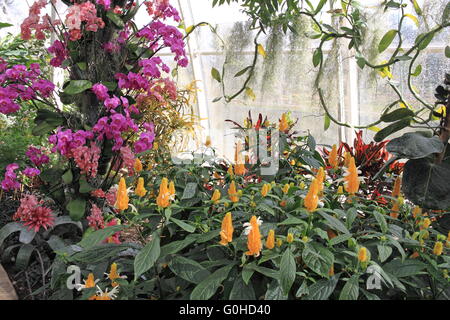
(312, 199)
(89, 282)
(362, 254)
(333, 157)
(425, 223)
(215, 196)
(172, 190)
(230, 170)
(226, 233)
(232, 193)
(340, 190)
(138, 165)
(254, 238)
(279, 242)
(155, 145)
(163, 199)
(417, 211)
(284, 124)
(438, 248)
(286, 188)
(122, 195)
(290, 238)
(302, 185)
(140, 189)
(270, 241)
(113, 275)
(208, 141)
(351, 179)
(265, 189)
(397, 187)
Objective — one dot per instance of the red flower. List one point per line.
(33, 214)
(39, 217)
(115, 237)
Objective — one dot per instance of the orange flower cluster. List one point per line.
(265, 189)
(122, 195)
(254, 238)
(333, 157)
(270, 241)
(232, 192)
(226, 233)
(312, 197)
(166, 193)
(215, 196)
(284, 124)
(362, 254)
(138, 165)
(351, 178)
(140, 189)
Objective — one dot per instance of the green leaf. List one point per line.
(413, 145)
(287, 271)
(247, 273)
(350, 291)
(5, 25)
(333, 222)
(85, 187)
(302, 290)
(361, 62)
(327, 122)
(275, 292)
(82, 66)
(147, 257)
(216, 75)
(322, 289)
(76, 208)
(24, 255)
(265, 271)
(384, 252)
(188, 269)
(67, 177)
(416, 7)
(208, 287)
(407, 268)
(392, 128)
(424, 39)
(340, 238)
(397, 115)
(77, 86)
(240, 73)
(115, 19)
(98, 253)
(318, 258)
(446, 14)
(320, 6)
(183, 225)
(317, 57)
(417, 71)
(98, 236)
(381, 221)
(242, 290)
(425, 183)
(386, 40)
(447, 51)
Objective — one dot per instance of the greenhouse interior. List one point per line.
(224, 150)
